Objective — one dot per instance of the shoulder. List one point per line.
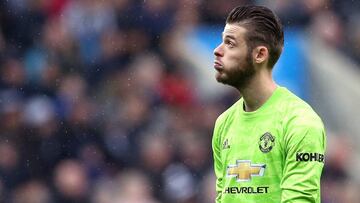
(225, 119)
(229, 113)
(300, 113)
(300, 120)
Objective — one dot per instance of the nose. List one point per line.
(218, 51)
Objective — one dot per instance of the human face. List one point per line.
(233, 62)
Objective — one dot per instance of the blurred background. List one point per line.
(114, 101)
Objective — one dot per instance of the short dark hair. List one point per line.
(263, 28)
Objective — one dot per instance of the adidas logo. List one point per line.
(226, 144)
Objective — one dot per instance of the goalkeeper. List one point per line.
(269, 146)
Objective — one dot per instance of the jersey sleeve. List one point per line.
(218, 166)
(305, 147)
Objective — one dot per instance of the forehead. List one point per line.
(234, 30)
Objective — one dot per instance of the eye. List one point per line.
(229, 43)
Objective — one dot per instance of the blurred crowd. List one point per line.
(96, 106)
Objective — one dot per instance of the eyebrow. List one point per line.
(228, 36)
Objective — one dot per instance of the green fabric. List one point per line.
(282, 144)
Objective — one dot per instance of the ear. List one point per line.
(260, 54)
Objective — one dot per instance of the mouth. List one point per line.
(218, 66)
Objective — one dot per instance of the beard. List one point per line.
(238, 76)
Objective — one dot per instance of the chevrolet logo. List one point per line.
(244, 170)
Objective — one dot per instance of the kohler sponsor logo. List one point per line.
(307, 157)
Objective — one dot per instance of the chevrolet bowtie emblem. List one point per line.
(244, 170)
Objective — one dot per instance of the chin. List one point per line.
(221, 79)
(224, 80)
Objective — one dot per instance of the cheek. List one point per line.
(235, 59)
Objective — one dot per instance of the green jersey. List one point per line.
(273, 154)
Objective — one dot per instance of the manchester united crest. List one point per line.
(267, 142)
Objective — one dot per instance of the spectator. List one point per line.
(71, 182)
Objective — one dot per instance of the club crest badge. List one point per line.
(267, 142)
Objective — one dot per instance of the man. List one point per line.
(269, 146)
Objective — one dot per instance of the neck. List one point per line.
(257, 91)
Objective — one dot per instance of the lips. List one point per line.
(218, 65)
